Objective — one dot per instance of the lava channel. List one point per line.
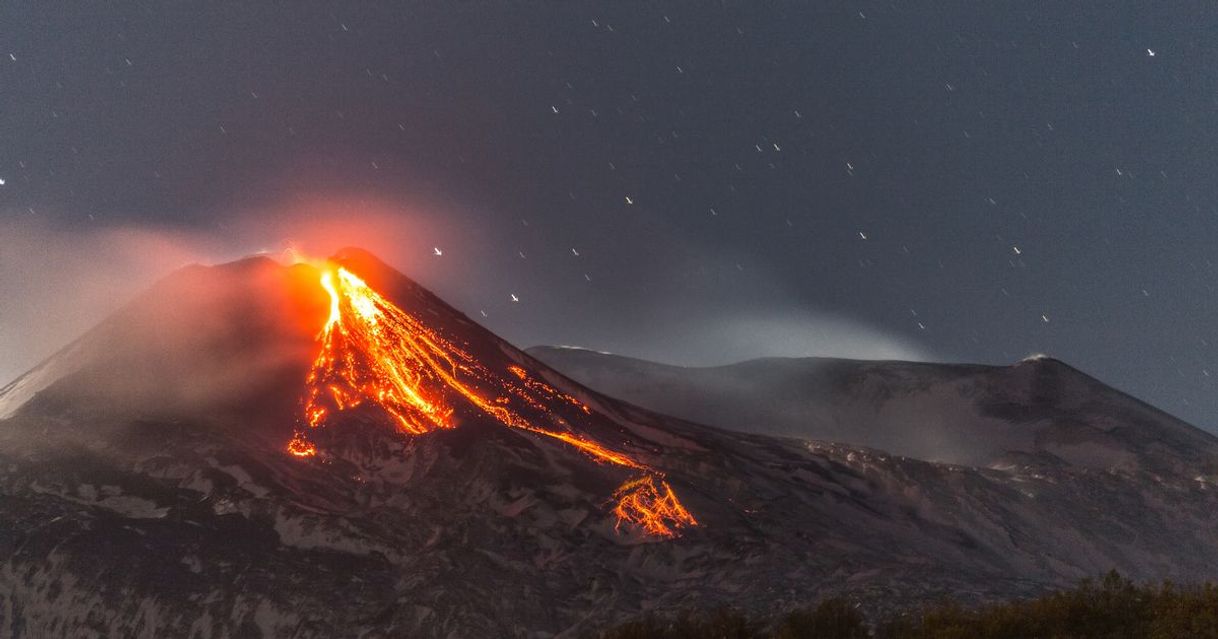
(370, 351)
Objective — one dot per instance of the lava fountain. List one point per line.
(373, 352)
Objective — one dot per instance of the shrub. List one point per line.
(831, 619)
(721, 624)
(1112, 607)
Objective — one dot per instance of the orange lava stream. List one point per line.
(653, 508)
(372, 351)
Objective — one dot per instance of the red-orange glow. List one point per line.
(371, 352)
(301, 448)
(653, 508)
(591, 448)
(327, 282)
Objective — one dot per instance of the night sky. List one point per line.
(695, 183)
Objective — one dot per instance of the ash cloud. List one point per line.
(644, 290)
(725, 337)
(58, 280)
(668, 298)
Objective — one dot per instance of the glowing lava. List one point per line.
(654, 508)
(373, 352)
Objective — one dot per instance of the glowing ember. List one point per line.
(373, 352)
(653, 508)
(301, 448)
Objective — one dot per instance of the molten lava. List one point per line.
(653, 508)
(371, 352)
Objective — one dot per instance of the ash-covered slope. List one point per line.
(147, 488)
(201, 339)
(1039, 411)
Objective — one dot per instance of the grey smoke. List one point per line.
(663, 298)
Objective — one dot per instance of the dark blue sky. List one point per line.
(691, 182)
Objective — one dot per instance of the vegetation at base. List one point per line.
(1109, 608)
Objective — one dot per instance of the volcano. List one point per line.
(329, 449)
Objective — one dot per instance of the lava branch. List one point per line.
(371, 351)
(654, 508)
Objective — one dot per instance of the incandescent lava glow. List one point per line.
(301, 447)
(372, 352)
(654, 508)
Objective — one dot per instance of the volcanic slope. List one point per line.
(1039, 411)
(168, 474)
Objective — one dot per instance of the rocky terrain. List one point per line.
(147, 490)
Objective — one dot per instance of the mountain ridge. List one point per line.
(1036, 405)
(135, 511)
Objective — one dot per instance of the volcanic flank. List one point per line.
(374, 352)
(328, 449)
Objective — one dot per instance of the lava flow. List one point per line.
(373, 352)
(653, 508)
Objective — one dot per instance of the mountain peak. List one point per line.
(204, 339)
(321, 350)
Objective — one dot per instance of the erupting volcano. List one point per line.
(329, 449)
(372, 352)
